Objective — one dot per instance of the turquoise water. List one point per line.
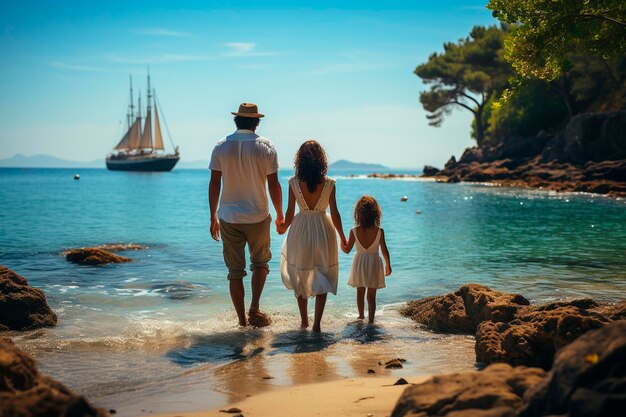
(167, 315)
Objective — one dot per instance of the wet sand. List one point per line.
(374, 396)
(270, 366)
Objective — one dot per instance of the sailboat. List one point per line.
(139, 149)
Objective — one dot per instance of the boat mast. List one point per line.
(131, 112)
(148, 111)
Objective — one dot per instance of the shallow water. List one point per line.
(129, 333)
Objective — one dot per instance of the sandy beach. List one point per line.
(374, 396)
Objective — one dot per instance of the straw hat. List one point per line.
(248, 110)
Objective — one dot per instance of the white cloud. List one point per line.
(161, 32)
(72, 67)
(241, 47)
(162, 58)
(244, 49)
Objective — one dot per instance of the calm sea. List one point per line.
(130, 335)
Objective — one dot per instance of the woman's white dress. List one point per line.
(309, 263)
(367, 266)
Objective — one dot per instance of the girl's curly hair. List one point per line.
(367, 212)
(311, 164)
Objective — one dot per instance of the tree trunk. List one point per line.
(480, 133)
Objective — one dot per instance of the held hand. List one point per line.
(280, 219)
(388, 270)
(215, 229)
(281, 228)
(344, 241)
(344, 247)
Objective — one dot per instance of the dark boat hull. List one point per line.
(145, 164)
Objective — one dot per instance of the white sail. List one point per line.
(146, 137)
(158, 138)
(124, 143)
(134, 134)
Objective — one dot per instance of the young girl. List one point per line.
(367, 267)
(309, 264)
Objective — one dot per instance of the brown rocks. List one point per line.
(395, 363)
(429, 171)
(24, 392)
(536, 333)
(94, 256)
(463, 310)
(22, 307)
(507, 328)
(588, 155)
(496, 391)
(587, 378)
(390, 176)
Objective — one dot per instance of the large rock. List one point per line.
(463, 310)
(536, 333)
(24, 392)
(590, 137)
(588, 378)
(429, 171)
(22, 307)
(94, 256)
(497, 391)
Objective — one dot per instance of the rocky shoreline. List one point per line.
(552, 359)
(564, 358)
(24, 392)
(588, 155)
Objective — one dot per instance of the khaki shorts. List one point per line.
(234, 239)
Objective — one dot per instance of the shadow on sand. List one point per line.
(363, 332)
(301, 341)
(219, 348)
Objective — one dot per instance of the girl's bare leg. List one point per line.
(371, 304)
(320, 302)
(304, 314)
(360, 302)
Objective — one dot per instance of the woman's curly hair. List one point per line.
(311, 164)
(367, 212)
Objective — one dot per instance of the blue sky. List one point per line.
(339, 72)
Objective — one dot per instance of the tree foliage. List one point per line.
(466, 75)
(546, 31)
(536, 107)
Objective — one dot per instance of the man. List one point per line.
(243, 163)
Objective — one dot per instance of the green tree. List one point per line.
(547, 30)
(467, 74)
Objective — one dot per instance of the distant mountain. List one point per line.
(46, 161)
(342, 164)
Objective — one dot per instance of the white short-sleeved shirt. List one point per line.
(245, 160)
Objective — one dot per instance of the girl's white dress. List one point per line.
(309, 263)
(367, 266)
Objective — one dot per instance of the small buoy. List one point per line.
(418, 212)
(76, 177)
(404, 198)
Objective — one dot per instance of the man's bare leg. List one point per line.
(258, 282)
(237, 294)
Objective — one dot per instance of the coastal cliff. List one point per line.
(588, 155)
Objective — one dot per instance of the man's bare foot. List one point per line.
(304, 325)
(316, 329)
(361, 317)
(258, 319)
